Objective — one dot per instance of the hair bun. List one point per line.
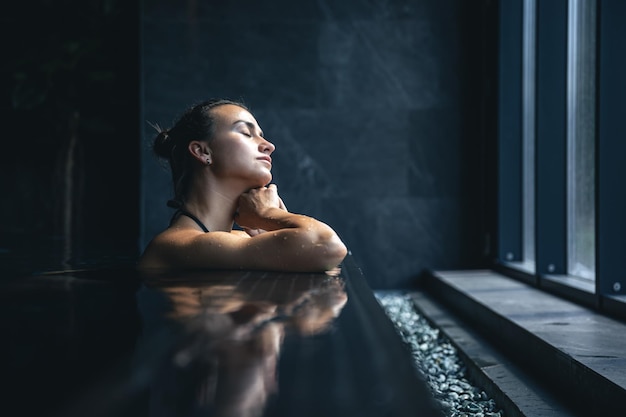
(163, 144)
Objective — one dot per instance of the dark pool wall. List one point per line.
(377, 110)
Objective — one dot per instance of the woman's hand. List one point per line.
(254, 206)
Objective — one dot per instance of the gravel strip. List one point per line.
(438, 360)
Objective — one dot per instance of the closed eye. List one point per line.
(248, 126)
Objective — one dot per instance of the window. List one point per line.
(561, 129)
(581, 104)
(528, 136)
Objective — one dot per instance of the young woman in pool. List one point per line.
(221, 167)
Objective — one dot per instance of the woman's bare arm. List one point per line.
(291, 242)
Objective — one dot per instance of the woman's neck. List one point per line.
(213, 204)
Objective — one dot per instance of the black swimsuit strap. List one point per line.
(180, 212)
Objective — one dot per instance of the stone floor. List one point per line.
(537, 353)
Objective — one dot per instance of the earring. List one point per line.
(208, 161)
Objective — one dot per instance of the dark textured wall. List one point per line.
(69, 100)
(377, 110)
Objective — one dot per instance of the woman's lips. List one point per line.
(266, 159)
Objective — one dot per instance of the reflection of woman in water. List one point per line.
(221, 167)
(224, 361)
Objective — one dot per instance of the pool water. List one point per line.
(111, 342)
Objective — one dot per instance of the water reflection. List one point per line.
(211, 342)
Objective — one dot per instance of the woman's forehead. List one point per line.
(230, 113)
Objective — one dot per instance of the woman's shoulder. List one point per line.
(174, 244)
(183, 238)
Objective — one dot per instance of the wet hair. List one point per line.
(196, 123)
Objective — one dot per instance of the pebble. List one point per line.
(437, 360)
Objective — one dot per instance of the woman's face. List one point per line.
(238, 149)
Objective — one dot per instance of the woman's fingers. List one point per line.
(281, 204)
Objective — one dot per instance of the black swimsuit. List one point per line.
(182, 212)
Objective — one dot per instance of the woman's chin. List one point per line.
(265, 179)
(258, 179)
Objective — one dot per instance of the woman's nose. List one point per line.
(267, 146)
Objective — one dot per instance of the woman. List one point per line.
(221, 167)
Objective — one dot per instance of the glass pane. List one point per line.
(580, 137)
(528, 134)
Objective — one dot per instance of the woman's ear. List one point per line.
(200, 151)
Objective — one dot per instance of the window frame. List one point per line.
(551, 154)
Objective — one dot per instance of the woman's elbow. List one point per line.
(334, 253)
